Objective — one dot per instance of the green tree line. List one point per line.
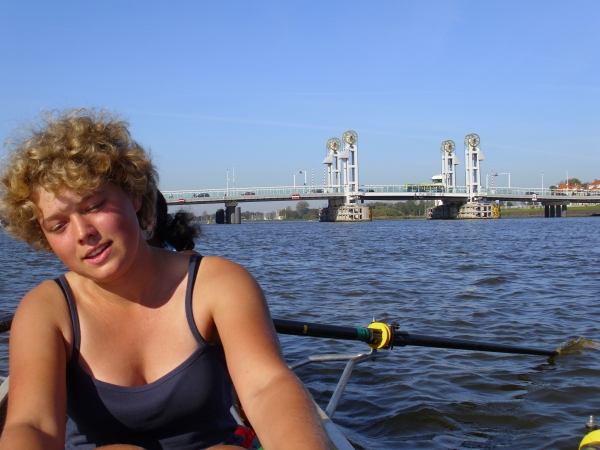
(400, 210)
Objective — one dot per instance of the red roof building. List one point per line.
(571, 186)
(593, 185)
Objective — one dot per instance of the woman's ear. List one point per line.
(137, 203)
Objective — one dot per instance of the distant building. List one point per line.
(593, 185)
(571, 187)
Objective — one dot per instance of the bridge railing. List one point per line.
(172, 196)
(540, 191)
(325, 191)
(411, 188)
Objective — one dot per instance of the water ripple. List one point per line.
(528, 282)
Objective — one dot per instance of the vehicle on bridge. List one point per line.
(424, 187)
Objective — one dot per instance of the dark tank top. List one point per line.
(186, 409)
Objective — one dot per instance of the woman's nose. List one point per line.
(82, 227)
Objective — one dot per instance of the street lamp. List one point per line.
(495, 175)
(542, 181)
(505, 173)
(300, 173)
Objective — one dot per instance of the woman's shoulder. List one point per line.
(44, 308)
(218, 269)
(221, 281)
(219, 262)
(46, 296)
(225, 296)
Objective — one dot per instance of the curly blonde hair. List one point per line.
(77, 149)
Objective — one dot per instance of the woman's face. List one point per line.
(94, 233)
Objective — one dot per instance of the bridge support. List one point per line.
(444, 211)
(336, 211)
(471, 210)
(233, 213)
(551, 210)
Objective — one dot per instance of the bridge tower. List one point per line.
(332, 162)
(449, 163)
(349, 160)
(342, 170)
(473, 156)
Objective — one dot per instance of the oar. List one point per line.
(5, 323)
(373, 337)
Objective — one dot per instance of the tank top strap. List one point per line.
(193, 271)
(66, 289)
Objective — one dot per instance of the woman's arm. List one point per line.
(36, 414)
(280, 409)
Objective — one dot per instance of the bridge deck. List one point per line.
(377, 192)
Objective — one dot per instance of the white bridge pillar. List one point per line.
(449, 163)
(342, 171)
(349, 159)
(473, 156)
(332, 161)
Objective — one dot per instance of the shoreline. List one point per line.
(539, 212)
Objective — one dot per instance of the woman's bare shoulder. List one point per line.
(226, 279)
(223, 269)
(44, 307)
(225, 290)
(46, 295)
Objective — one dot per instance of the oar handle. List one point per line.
(297, 328)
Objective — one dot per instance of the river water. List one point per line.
(529, 282)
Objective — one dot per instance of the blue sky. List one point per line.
(263, 85)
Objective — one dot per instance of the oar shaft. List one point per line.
(402, 338)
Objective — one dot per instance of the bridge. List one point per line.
(459, 194)
(377, 192)
(346, 197)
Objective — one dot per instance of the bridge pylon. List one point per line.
(342, 176)
(349, 159)
(449, 163)
(473, 156)
(472, 207)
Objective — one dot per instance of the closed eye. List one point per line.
(57, 228)
(96, 206)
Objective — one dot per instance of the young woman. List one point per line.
(134, 345)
